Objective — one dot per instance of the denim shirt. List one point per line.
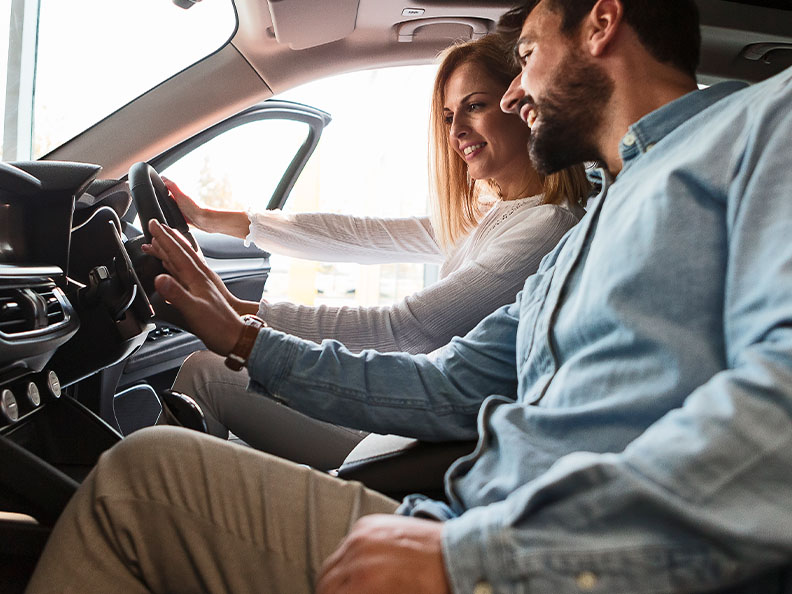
(634, 405)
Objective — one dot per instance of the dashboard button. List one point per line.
(8, 405)
(32, 393)
(53, 384)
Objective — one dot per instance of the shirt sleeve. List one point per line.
(434, 399)
(700, 500)
(341, 238)
(430, 318)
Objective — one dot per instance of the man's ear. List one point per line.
(601, 25)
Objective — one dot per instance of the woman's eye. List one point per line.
(448, 119)
(475, 106)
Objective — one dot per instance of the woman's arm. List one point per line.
(319, 236)
(228, 222)
(451, 307)
(344, 238)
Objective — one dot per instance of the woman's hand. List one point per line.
(194, 213)
(229, 222)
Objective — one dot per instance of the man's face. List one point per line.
(561, 93)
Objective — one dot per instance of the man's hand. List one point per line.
(386, 554)
(190, 288)
(239, 305)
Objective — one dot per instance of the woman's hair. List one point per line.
(456, 209)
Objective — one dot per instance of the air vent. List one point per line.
(55, 313)
(13, 315)
(30, 309)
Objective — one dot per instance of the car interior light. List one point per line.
(185, 3)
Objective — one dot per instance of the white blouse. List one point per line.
(484, 271)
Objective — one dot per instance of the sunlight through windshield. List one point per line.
(93, 56)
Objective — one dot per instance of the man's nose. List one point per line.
(510, 102)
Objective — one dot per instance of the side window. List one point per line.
(371, 161)
(240, 168)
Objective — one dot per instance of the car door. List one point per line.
(261, 152)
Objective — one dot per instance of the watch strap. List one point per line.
(239, 355)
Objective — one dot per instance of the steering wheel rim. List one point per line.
(153, 202)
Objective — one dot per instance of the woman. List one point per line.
(493, 219)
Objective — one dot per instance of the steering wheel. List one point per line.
(152, 202)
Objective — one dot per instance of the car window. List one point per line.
(69, 64)
(371, 161)
(240, 168)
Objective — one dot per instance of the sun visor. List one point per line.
(307, 23)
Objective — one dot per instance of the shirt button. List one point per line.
(629, 139)
(483, 588)
(586, 581)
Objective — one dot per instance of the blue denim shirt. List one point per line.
(634, 405)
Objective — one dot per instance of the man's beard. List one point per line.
(571, 115)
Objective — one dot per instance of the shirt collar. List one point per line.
(655, 126)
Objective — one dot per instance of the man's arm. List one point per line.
(700, 500)
(434, 398)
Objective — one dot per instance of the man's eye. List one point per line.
(523, 56)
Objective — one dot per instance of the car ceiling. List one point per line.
(282, 43)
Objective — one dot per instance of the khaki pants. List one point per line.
(171, 510)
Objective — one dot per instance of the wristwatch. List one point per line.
(238, 356)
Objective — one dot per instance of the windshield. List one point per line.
(68, 64)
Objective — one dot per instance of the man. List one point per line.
(633, 406)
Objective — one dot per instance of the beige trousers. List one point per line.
(171, 510)
(259, 421)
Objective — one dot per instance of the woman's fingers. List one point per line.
(188, 207)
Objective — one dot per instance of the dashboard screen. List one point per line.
(12, 237)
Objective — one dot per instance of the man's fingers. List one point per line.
(170, 289)
(182, 241)
(176, 258)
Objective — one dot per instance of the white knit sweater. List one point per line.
(484, 271)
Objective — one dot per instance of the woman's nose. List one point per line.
(458, 128)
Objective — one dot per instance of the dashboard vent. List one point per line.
(13, 315)
(29, 309)
(55, 313)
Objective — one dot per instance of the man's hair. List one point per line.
(668, 29)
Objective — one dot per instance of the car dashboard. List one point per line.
(71, 305)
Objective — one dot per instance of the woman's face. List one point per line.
(492, 143)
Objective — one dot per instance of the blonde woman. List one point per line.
(493, 219)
